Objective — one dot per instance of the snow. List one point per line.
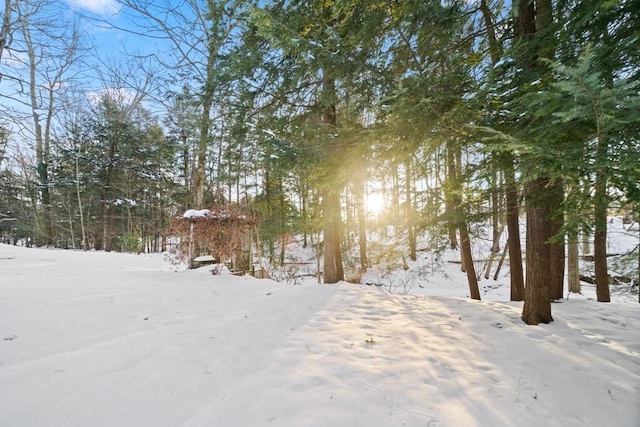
(269, 132)
(106, 339)
(129, 202)
(195, 213)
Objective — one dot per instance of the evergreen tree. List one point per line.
(432, 60)
(322, 51)
(114, 171)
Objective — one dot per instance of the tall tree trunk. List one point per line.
(524, 26)
(600, 231)
(305, 219)
(455, 187)
(544, 22)
(42, 145)
(333, 270)
(268, 192)
(84, 243)
(362, 224)
(108, 195)
(283, 220)
(513, 229)
(572, 264)
(186, 170)
(494, 46)
(557, 265)
(199, 178)
(537, 301)
(46, 154)
(467, 257)
(409, 212)
(516, 275)
(601, 199)
(5, 29)
(450, 201)
(495, 215)
(535, 22)
(205, 120)
(45, 197)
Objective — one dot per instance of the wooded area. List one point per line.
(461, 114)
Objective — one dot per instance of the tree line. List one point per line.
(463, 114)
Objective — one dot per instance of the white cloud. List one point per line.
(120, 96)
(99, 7)
(14, 59)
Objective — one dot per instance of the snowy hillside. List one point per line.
(105, 339)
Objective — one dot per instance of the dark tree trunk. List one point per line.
(409, 214)
(537, 302)
(513, 230)
(534, 22)
(465, 248)
(203, 143)
(455, 187)
(553, 200)
(303, 201)
(495, 216)
(188, 176)
(557, 266)
(283, 220)
(268, 191)
(362, 224)
(333, 271)
(544, 21)
(572, 264)
(600, 238)
(524, 25)
(45, 198)
(453, 237)
(450, 201)
(107, 196)
(494, 47)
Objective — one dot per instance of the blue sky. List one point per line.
(110, 47)
(98, 16)
(112, 30)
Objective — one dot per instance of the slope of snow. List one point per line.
(99, 339)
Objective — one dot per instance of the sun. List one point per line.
(374, 203)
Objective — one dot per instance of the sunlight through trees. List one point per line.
(425, 122)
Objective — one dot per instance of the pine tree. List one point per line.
(534, 39)
(603, 113)
(321, 50)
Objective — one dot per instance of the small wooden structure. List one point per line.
(220, 234)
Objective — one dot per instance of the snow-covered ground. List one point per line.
(106, 339)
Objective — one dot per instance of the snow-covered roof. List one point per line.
(194, 213)
(222, 214)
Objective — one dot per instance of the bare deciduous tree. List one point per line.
(51, 48)
(198, 32)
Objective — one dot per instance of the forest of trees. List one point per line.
(461, 114)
